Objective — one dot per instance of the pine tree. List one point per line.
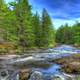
(24, 24)
(3, 11)
(64, 35)
(59, 34)
(1, 4)
(76, 33)
(37, 29)
(47, 29)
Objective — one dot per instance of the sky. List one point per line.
(61, 11)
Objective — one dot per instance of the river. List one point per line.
(40, 65)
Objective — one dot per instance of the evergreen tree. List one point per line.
(76, 30)
(47, 29)
(64, 35)
(24, 23)
(59, 35)
(37, 29)
(67, 37)
(3, 12)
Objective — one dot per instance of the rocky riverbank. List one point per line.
(52, 63)
(70, 64)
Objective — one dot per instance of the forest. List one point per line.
(20, 29)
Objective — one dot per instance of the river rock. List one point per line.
(3, 75)
(36, 76)
(58, 77)
(24, 74)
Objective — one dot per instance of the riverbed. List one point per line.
(39, 65)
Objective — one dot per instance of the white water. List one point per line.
(54, 53)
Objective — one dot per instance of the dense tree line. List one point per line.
(25, 30)
(22, 28)
(69, 34)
